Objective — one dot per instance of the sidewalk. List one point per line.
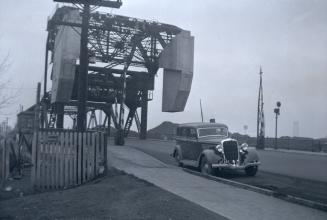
(231, 202)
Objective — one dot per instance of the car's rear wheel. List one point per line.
(178, 158)
(251, 171)
(206, 167)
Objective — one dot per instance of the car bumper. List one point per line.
(235, 166)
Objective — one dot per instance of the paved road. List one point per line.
(300, 175)
(305, 166)
(313, 167)
(223, 199)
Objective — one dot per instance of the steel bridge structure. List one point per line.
(123, 59)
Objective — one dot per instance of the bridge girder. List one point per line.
(116, 42)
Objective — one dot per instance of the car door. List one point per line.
(184, 143)
(194, 145)
(190, 146)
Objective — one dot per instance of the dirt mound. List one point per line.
(166, 130)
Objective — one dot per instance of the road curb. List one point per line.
(289, 198)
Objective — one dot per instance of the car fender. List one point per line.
(251, 156)
(179, 150)
(211, 156)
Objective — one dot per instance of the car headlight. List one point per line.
(219, 148)
(244, 147)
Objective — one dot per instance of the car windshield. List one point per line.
(219, 131)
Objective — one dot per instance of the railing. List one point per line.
(65, 158)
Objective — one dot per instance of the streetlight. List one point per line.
(277, 112)
(245, 127)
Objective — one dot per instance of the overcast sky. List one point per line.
(288, 38)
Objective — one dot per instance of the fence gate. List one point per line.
(64, 158)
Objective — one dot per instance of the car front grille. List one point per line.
(230, 150)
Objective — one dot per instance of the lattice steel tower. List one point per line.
(260, 117)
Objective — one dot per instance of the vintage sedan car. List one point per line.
(207, 146)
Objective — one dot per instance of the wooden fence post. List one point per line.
(4, 161)
(75, 149)
(105, 149)
(7, 171)
(35, 134)
(1, 162)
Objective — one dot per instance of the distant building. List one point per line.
(4, 128)
(296, 129)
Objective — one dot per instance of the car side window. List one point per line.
(192, 133)
(184, 132)
(178, 132)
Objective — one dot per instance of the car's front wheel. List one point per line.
(206, 167)
(251, 171)
(178, 158)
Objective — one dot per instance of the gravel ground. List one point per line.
(116, 196)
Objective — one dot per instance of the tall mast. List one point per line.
(260, 116)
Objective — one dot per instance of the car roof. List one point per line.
(202, 125)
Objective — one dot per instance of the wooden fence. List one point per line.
(4, 160)
(64, 158)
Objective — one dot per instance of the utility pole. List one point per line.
(83, 70)
(201, 110)
(6, 126)
(120, 134)
(277, 112)
(84, 55)
(245, 127)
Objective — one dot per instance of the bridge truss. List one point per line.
(123, 60)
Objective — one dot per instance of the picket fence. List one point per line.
(65, 158)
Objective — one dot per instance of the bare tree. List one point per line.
(5, 98)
